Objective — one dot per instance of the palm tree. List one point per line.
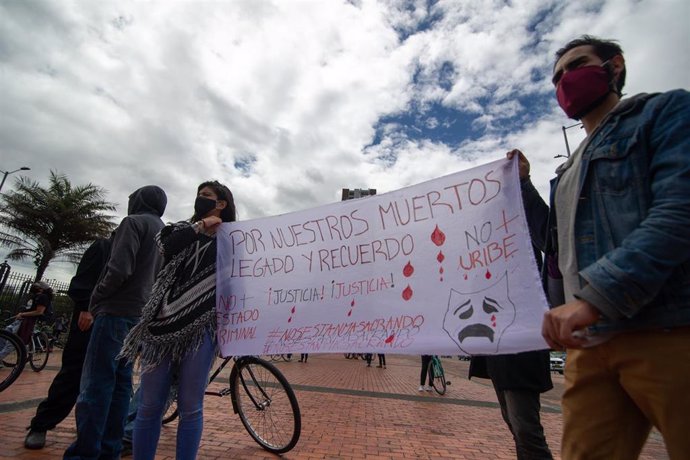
(56, 222)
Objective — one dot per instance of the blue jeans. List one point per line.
(192, 374)
(105, 387)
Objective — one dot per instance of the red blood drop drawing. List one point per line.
(408, 270)
(407, 293)
(390, 338)
(349, 313)
(290, 319)
(352, 304)
(438, 237)
(464, 276)
(488, 275)
(440, 270)
(440, 257)
(293, 309)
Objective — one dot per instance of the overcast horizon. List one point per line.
(288, 102)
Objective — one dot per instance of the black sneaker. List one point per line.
(35, 439)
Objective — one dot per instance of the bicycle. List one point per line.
(37, 350)
(13, 355)
(285, 357)
(355, 356)
(263, 399)
(439, 381)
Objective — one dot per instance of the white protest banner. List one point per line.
(442, 267)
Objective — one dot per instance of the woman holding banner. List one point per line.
(177, 332)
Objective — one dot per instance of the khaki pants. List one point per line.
(615, 392)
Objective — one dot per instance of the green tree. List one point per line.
(56, 222)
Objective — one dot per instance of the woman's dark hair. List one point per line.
(229, 213)
(45, 289)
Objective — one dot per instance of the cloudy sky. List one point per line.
(289, 101)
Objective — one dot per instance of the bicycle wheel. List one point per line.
(287, 357)
(439, 382)
(13, 354)
(38, 351)
(171, 411)
(266, 404)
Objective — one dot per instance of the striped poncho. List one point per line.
(182, 305)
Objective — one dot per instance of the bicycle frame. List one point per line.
(226, 391)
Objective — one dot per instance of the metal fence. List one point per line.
(14, 291)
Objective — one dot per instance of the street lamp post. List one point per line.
(7, 173)
(565, 136)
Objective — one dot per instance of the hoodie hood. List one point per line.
(149, 199)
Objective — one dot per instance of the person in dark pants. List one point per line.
(303, 357)
(426, 370)
(382, 360)
(64, 390)
(116, 304)
(518, 380)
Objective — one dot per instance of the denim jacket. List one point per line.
(632, 224)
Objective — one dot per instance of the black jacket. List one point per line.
(126, 283)
(529, 370)
(521, 371)
(88, 272)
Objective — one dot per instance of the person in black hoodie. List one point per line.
(64, 390)
(116, 304)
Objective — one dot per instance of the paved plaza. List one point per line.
(349, 411)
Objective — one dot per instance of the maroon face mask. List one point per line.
(582, 89)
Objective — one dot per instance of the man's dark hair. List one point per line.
(229, 213)
(604, 49)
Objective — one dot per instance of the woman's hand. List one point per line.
(211, 224)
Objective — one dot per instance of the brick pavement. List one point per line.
(349, 411)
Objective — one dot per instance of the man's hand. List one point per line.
(560, 323)
(523, 164)
(85, 320)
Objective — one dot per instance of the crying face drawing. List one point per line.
(476, 321)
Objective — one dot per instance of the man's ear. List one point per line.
(617, 65)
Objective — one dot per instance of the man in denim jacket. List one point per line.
(617, 240)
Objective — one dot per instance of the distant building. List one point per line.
(350, 194)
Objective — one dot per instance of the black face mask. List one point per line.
(203, 206)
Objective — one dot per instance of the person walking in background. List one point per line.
(382, 360)
(303, 357)
(64, 389)
(368, 357)
(518, 380)
(177, 332)
(618, 258)
(426, 370)
(115, 305)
